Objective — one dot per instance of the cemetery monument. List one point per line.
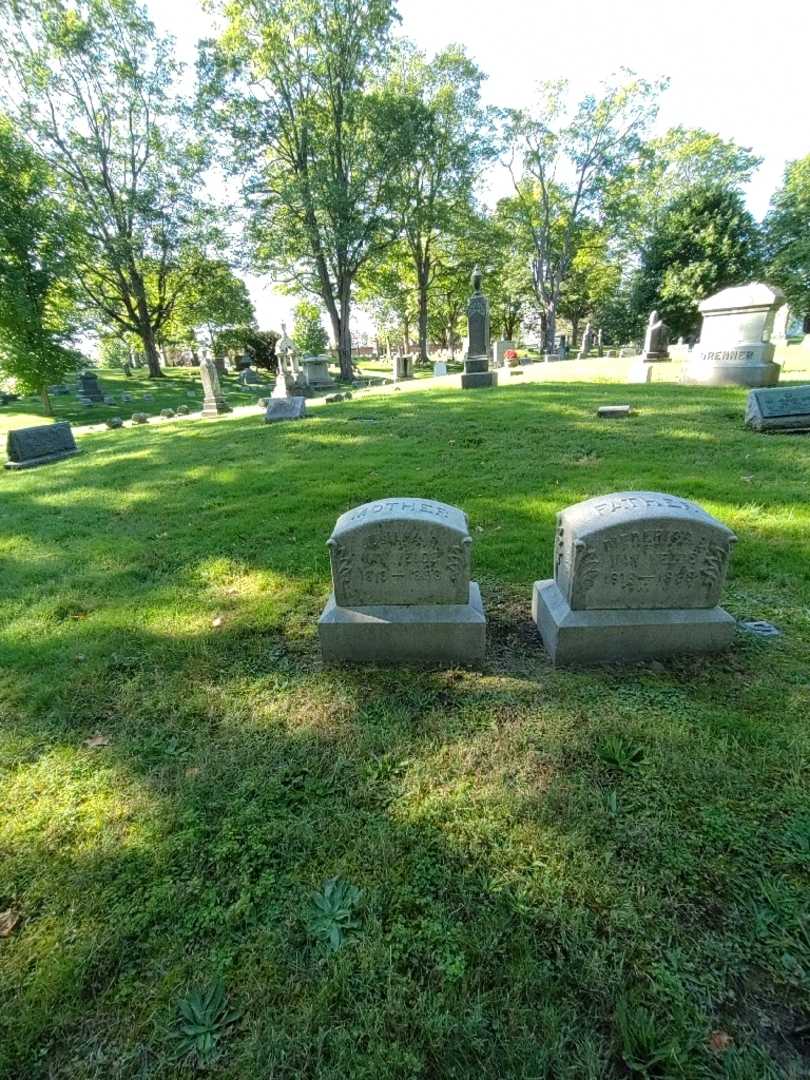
(637, 574)
(735, 347)
(32, 446)
(401, 587)
(476, 363)
(783, 408)
(214, 404)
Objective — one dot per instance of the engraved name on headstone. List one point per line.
(635, 574)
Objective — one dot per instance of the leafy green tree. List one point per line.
(787, 236)
(258, 345)
(570, 160)
(706, 240)
(592, 280)
(666, 167)
(296, 85)
(38, 315)
(442, 142)
(308, 334)
(91, 84)
(211, 299)
(509, 282)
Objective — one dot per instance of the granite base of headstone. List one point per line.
(290, 408)
(402, 590)
(783, 408)
(637, 575)
(28, 448)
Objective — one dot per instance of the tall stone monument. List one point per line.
(586, 343)
(214, 404)
(637, 574)
(656, 339)
(735, 347)
(476, 364)
(402, 589)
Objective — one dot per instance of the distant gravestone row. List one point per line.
(637, 575)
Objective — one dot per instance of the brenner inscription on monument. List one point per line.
(402, 589)
(636, 574)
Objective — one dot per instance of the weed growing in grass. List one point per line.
(620, 753)
(203, 1023)
(331, 915)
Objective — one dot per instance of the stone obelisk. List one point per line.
(476, 363)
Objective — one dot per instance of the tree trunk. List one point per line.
(344, 342)
(146, 332)
(574, 332)
(46, 401)
(424, 273)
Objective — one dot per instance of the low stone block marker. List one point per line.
(291, 408)
(784, 408)
(402, 590)
(614, 412)
(637, 574)
(32, 446)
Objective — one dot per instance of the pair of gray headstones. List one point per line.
(636, 575)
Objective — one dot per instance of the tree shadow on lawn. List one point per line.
(508, 908)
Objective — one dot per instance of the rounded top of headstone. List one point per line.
(640, 550)
(401, 551)
(755, 295)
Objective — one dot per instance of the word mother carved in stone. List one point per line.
(401, 551)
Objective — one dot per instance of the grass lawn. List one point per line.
(381, 368)
(600, 873)
(180, 386)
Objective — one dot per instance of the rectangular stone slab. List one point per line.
(401, 551)
(786, 408)
(291, 408)
(448, 634)
(598, 637)
(29, 447)
(614, 412)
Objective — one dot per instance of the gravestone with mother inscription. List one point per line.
(32, 446)
(402, 589)
(637, 574)
(782, 408)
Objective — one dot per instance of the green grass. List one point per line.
(167, 393)
(585, 874)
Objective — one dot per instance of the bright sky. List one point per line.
(737, 67)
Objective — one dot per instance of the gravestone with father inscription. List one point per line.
(637, 574)
(402, 589)
(29, 447)
(783, 408)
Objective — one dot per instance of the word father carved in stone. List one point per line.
(635, 574)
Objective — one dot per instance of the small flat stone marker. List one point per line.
(760, 628)
(637, 575)
(291, 408)
(27, 448)
(783, 408)
(614, 412)
(402, 590)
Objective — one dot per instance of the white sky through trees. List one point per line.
(737, 67)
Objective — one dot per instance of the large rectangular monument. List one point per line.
(735, 347)
(637, 574)
(476, 365)
(32, 446)
(782, 408)
(402, 590)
